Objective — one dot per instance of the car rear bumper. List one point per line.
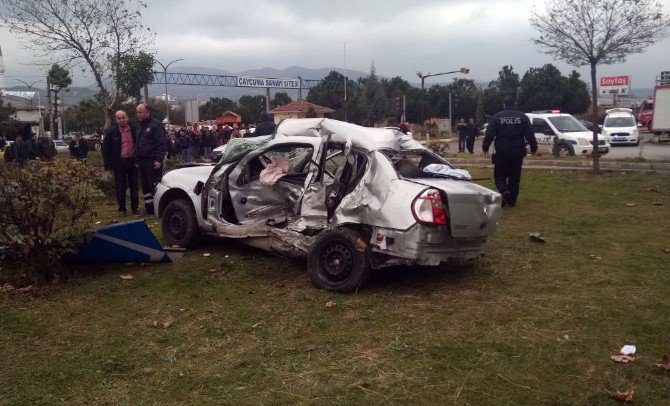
(422, 245)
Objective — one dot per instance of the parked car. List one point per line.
(620, 127)
(561, 134)
(348, 198)
(8, 144)
(61, 146)
(217, 153)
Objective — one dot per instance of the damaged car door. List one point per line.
(267, 186)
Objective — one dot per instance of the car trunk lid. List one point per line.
(473, 210)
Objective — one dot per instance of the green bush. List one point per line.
(46, 211)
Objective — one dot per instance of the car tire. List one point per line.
(563, 149)
(179, 224)
(336, 262)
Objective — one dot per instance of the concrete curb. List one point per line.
(660, 167)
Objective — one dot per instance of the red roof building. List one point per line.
(228, 117)
(299, 109)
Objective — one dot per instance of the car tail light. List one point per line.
(428, 208)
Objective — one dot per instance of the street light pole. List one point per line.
(39, 104)
(423, 77)
(167, 105)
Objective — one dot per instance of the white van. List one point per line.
(561, 134)
(620, 127)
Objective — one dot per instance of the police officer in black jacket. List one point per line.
(150, 152)
(511, 129)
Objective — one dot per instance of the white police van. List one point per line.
(561, 134)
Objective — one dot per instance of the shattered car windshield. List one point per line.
(238, 147)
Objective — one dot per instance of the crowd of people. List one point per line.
(187, 145)
(30, 147)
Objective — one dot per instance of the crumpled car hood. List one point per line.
(187, 178)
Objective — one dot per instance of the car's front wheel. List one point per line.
(563, 149)
(337, 261)
(179, 224)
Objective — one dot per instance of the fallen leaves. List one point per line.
(631, 204)
(330, 304)
(663, 364)
(6, 287)
(657, 203)
(126, 277)
(595, 257)
(624, 359)
(626, 396)
(667, 250)
(536, 237)
(165, 324)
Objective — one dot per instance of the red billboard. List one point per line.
(614, 81)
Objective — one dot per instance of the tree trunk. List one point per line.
(594, 118)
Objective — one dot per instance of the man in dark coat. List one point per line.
(511, 129)
(265, 125)
(118, 152)
(79, 148)
(45, 148)
(18, 153)
(471, 133)
(150, 151)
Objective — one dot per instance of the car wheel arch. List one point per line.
(170, 196)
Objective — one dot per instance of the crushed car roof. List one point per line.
(361, 137)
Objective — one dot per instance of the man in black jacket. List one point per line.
(265, 125)
(118, 152)
(150, 151)
(511, 129)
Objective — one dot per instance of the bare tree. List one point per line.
(593, 32)
(95, 35)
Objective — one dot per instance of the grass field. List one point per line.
(530, 323)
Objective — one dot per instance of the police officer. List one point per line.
(511, 129)
(150, 151)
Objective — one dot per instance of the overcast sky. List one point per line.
(400, 37)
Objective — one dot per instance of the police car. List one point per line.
(620, 127)
(561, 134)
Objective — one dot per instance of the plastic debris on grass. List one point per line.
(536, 237)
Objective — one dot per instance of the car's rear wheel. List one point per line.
(179, 224)
(563, 149)
(337, 261)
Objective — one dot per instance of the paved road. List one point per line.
(647, 149)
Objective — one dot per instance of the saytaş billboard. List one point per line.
(615, 85)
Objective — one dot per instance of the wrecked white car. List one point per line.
(348, 198)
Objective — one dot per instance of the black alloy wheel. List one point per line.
(179, 225)
(338, 261)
